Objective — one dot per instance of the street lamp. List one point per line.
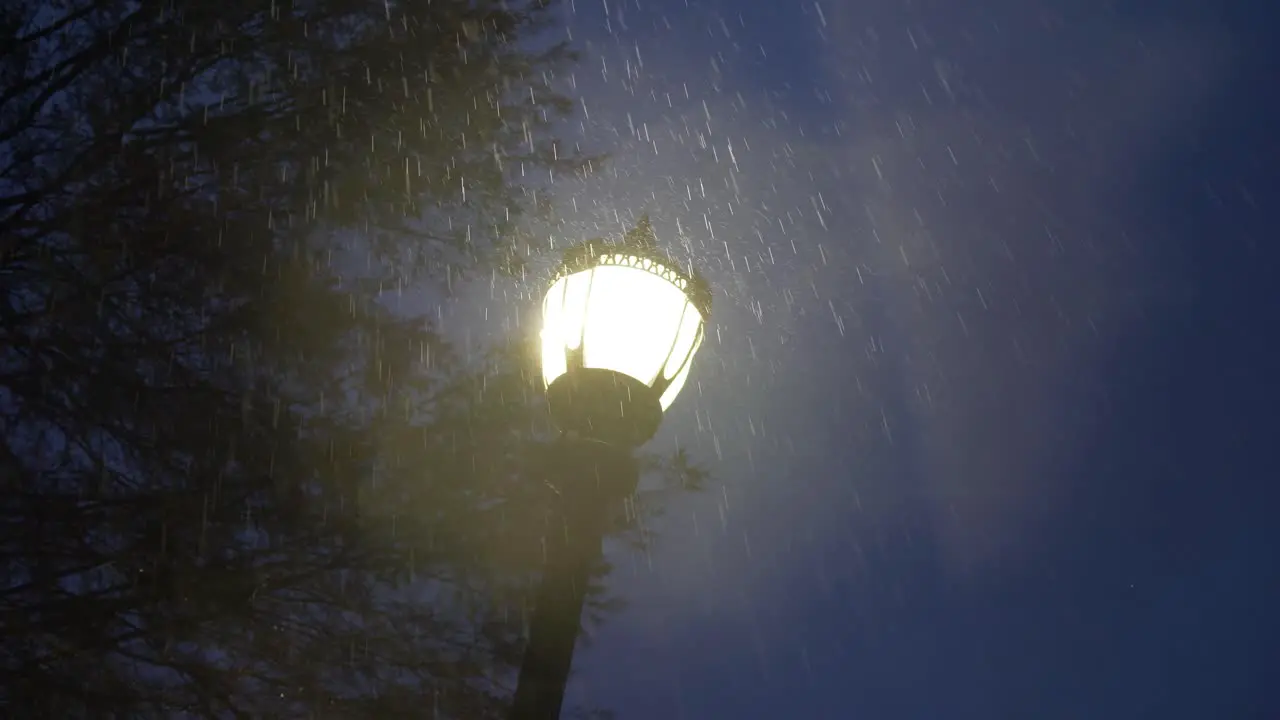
(620, 326)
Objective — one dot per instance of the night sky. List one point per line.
(989, 391)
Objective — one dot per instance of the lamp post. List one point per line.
(620, 326)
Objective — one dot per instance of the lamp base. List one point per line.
(605, 405)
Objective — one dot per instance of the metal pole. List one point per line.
(595, 473)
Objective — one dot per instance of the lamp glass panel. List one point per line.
(577, 289)
(687, 342)
(690, 325)
(554, 342)
(677, 383)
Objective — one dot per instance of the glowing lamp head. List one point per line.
(620, 326)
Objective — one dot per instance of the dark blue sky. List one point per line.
(990, 397)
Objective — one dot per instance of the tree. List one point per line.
(210, 502)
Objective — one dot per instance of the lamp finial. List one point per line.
(642, 234)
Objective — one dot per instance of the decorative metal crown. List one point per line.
(639, 250)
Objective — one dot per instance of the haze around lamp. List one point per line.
(620, 329)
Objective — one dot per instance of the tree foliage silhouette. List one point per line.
(231, 482)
